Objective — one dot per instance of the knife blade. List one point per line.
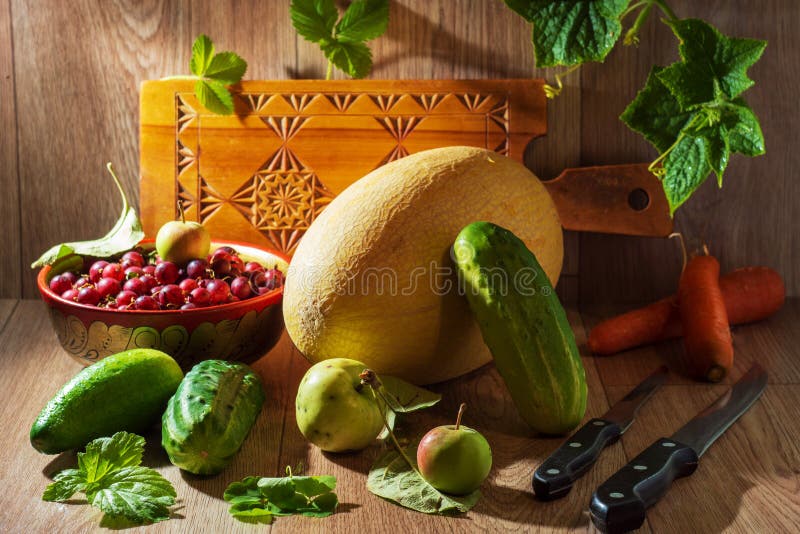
(554, 478)
(619, 503)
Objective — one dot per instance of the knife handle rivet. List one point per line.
(552, 471)
(667, 444)
(599, 423)
(616, 495)
(574, 444)
(640, 467)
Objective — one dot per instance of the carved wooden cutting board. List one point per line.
(263, 174)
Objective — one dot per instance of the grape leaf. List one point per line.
(714, 66)
(126, 233)
(394, 479)
(568, 33)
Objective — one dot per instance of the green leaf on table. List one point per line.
(713, 66)
(257, 499)
(214, 72)
(126, 233)
(342, 42)
(394, 479)
(568, 33)
(403, 397)
(139, 494)
(113, 481)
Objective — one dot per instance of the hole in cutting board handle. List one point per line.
(638, 199)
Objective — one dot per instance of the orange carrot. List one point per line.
(706, 331)
(750, 294)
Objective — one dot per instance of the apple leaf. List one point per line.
(404, 397)
(393, 478)
(126, 234)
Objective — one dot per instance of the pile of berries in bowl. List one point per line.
(135, 282)
(225, 305)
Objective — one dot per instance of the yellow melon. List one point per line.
(372, 279)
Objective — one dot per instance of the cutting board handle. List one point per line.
(615, 199)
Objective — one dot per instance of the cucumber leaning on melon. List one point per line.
(373, 280)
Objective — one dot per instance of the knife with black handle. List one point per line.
(619, 504)
(554, 478)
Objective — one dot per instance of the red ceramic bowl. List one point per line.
(243, 331)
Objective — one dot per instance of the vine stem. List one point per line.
(662, 5)
(329, 72)
(633, 8)
(552, 92)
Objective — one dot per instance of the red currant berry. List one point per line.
(59, 283)
(148, 281)
(170, 296)
(240, 287)
(196, 269)
(135, 286)
(253, 266)
(187, 285)
(188, 306)
(133, 258)
(149, 269)
(200, 297)
(70, 294)
(115, 271)
(133, 272)
(125, 297)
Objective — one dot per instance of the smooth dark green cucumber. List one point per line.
(210, 415)
(524, 325)
(125, 391)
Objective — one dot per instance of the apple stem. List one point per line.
(461, 410)
(180, 211)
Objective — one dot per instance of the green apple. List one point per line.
(334, 410)
(454, 458)
(181, 241)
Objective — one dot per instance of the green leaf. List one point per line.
(353, 58)
(214, 96)
(314, 19)
(66, 484)
(257, 499)
(363, 20)
(226, 68)
(126, 234)
(105, 455)
(714, 66)
(112, 479)
(405, 397)
(744, 130)
(138, 494)
(656, 114)
(392, 478)
(202, 52)
(686, 168)
(568, 33)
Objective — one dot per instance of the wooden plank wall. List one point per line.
(69, 75)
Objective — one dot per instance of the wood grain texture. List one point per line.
(753, 220)
(746, 482)
(11, 264)
(77, 94)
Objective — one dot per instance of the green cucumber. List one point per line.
(210, 415)
(125, 391)
(524, 325)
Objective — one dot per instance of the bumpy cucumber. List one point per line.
(210, 415)
(524, 325)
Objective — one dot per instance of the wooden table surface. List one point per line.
(748, 481)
